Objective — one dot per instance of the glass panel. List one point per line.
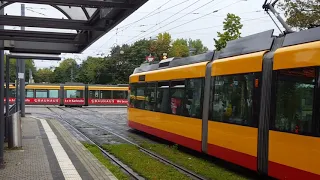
(294, 100)
(150, 97)
(53, 93)
(163, 101)
(29, 93)
(94, 94)
(193, 95)
(177, 94)
(133, 91)
(12, 93)
(105, 94)
(74, 93)
(126, 94)
(76, 13)
(140, 97)
(119, 95)
(232, 101)
(41, 93)
(91, 11)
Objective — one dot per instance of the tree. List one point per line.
(161, 45)
(179, 48)
(91, 70)
(231, 27)
(43, 75)
(29, 65)
(66, 69)
(197, 44)
(301, 14)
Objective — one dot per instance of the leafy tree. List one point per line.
(90, 70)
(43, 75)
(62, 73)
(179, 48)
(29, 64)
(231, 27)
(199, 47)
(161, 45)
(301, 14)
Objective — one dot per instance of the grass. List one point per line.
(143, 164)
(200, 166)
(116, 171)
(14, 148)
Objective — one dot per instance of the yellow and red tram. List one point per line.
(255, 103)
(72, 94)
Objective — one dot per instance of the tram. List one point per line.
(254, 103)
(72, 94)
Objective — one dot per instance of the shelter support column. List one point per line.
(1, 100)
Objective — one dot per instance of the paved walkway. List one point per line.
(50, 152)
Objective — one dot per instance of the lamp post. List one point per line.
(191, 50)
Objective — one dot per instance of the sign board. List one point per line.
(21, 75)
(149, 58)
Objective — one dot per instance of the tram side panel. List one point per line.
(232, 126)
(168, 104)
(42, 95)
(74, 96)
(294, 141)
(101, 96)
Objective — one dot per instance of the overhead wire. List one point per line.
(192, 19)
(210, 27)
(166, 18)
(147, 16)
(154, 13)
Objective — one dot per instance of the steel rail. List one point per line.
(152, 154)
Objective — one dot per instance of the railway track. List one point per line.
(119, 163)
(124, 167)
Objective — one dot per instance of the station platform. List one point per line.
(50, 151)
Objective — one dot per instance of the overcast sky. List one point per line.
(181, 18)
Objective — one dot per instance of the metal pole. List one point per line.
(1, 99)
(284, 24)
(71, 74)
(22, 70)
(7, 94)
(17, 86)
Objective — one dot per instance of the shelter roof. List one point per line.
(90, 18)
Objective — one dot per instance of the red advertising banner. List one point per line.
(11, 100)
(108, 101)
(37, 100)
(42, 101)
(76, 101)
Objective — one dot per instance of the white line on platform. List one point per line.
(67, 168)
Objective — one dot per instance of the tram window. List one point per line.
(41, 93)
(94, 94)
(194, 97)
(74, 93)
(29, 93)
(177, 96)
(126, 94)
(232, 99)
(119, 95)
(133, 90)
(294, 100)
(140, 96)
(150, 97)
(163, 101)
(53, 93)
(12, 93)
(105, 94)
